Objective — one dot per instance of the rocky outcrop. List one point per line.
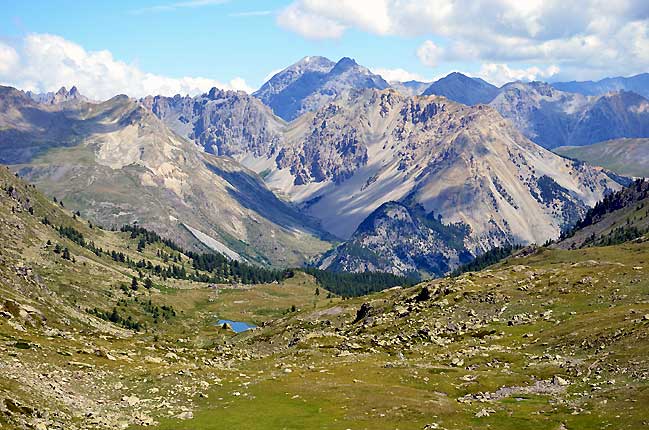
(61, 96)
(228, 123)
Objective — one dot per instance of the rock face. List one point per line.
(223, 122)
(638, 84)
(463, 89)
(117, 163)
(312, 82)
(555, 118)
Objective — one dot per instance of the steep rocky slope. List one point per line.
(628, 157)
(367, 147)
(555, 118)
(117, 163)
(463, 89)
(312, 82)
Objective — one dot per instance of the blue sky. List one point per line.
(236, 43)
(212, 41)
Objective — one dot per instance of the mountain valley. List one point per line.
(324, 215)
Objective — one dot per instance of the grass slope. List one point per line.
(628, 157)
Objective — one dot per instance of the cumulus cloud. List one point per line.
(398, 75)
(499, 74)
(8, 58)
(429, 53)
(45, 62)
(587, 37)
(309, 25)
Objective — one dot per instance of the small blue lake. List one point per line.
(237, 326)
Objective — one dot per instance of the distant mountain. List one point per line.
(554, 118)
(61, 96)
(312, 82)
(638, 84)
(410, 88)
(463, 89)
(117, 163)
(628, 157)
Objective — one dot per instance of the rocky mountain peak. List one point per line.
(59, 97)
(313, 82)
(343, 65)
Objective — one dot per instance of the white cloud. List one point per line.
(167, 7)
(8, 58)
(499, 74)
(429, 53)
(251, 13)
(398, 75)
(309, 25)
(271, 74)
(46, 62)
(587, 37)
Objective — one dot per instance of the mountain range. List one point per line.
(638, 84)
(124, 329)
(367, 147)
(327, 163)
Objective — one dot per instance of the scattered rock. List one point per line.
(363, 312)
(457, 362)
(484, 413)
(558, 380)
(187, 415)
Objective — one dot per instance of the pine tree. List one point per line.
(134, 284)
